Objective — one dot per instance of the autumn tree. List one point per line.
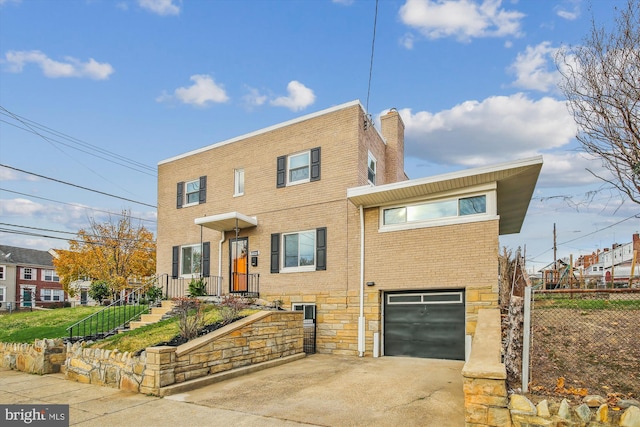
(601, 81)
(116, 252)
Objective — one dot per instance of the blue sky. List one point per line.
(145, 80)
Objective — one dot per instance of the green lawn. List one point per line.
(27, 326)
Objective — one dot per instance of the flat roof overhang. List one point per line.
(515, 183)
(227, 221)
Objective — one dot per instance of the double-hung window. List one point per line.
(28, 273)
(191, 260)
(371, 169)
(3, 272)
(238, 182)
(192, 192)
(298, 168)
(51, 295)
(50, 276)
(3, 293)
(299, 249)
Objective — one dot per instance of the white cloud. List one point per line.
(202, 92)
(253, 98)
(21, 207)
(344, 2)
(463, 19)
(477, 133)
(161, 7)
(570, 11)
(298, 99)
(3, 2)
(73, 67)
(535, 68)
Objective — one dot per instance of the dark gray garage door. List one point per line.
(424, 324)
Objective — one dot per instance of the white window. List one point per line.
(192, 192)
(298, 167)
(239, 182)
(3, 293)
(50, 295)
(299, 250)
(50, 276)
(371, 168)
(28, 273)
(3, 272)
(435, 210)
(308, 309)
(190, 260)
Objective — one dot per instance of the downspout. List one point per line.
(361, 319)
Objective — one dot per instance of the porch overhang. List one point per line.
(227, 221)
(515, 182)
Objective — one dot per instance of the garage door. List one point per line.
(424, 324)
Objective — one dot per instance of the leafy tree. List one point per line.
(116, 252)
(99, 290)
(601, 81)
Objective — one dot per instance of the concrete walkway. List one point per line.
(319, 390)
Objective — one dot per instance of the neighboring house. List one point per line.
(28, 279)
(317, 214)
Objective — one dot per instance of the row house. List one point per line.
(28, 279)
(317, 214)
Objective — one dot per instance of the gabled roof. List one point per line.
(24, 256)
(515, 182)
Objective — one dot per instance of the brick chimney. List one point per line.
(393, 133)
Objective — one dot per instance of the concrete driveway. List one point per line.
(319, 390)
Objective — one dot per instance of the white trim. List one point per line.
(185, 204)
(181, 261)
(288, 170)
(237, 173)
(3, 294)
(299, 268)
(370, 157)
(269, 129)
(422, 300)
(33, 289)
(3, 274)
(34, 273)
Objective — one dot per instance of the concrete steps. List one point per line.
(157, 314)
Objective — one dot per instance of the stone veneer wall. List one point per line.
(261, 337)
(41, 357)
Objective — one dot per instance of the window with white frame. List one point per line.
(371, 168)
(190, 260)
(238, 182)
(309, 310)
(28, 274)
(3, 272)
(192, 192)
(51, 295)
(298, 167)
(3, 293)
(50, 276)
(299, 250)
(434, 210)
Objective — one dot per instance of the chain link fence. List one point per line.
(585, 342)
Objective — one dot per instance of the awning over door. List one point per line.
(227, 221)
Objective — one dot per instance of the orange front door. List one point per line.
(238, 252)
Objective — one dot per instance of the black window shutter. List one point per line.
(206, 256)
(281, 172)
(175, 262)
(180, 196)
(275, 253)
(321, 248)
(315, 164)
(203, 190)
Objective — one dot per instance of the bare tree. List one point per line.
(601, 81)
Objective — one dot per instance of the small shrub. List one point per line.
(197, 287)
(230, 307)
(190, 316)
(154, 293)
(99, 291)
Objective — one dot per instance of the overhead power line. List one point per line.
(373, 44)
(78, 186)
(62, 232)
(76, 205)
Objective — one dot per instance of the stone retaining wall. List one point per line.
(261, 337)
(485, 394)
(41, 357)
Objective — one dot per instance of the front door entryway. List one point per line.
(428, 324)
(239, 265)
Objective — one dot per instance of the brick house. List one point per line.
(28, 279)
(317, 214)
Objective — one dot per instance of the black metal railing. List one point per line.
(116, 315)
(246, 284)
(175, 287)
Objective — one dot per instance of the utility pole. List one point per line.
(555, 255)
